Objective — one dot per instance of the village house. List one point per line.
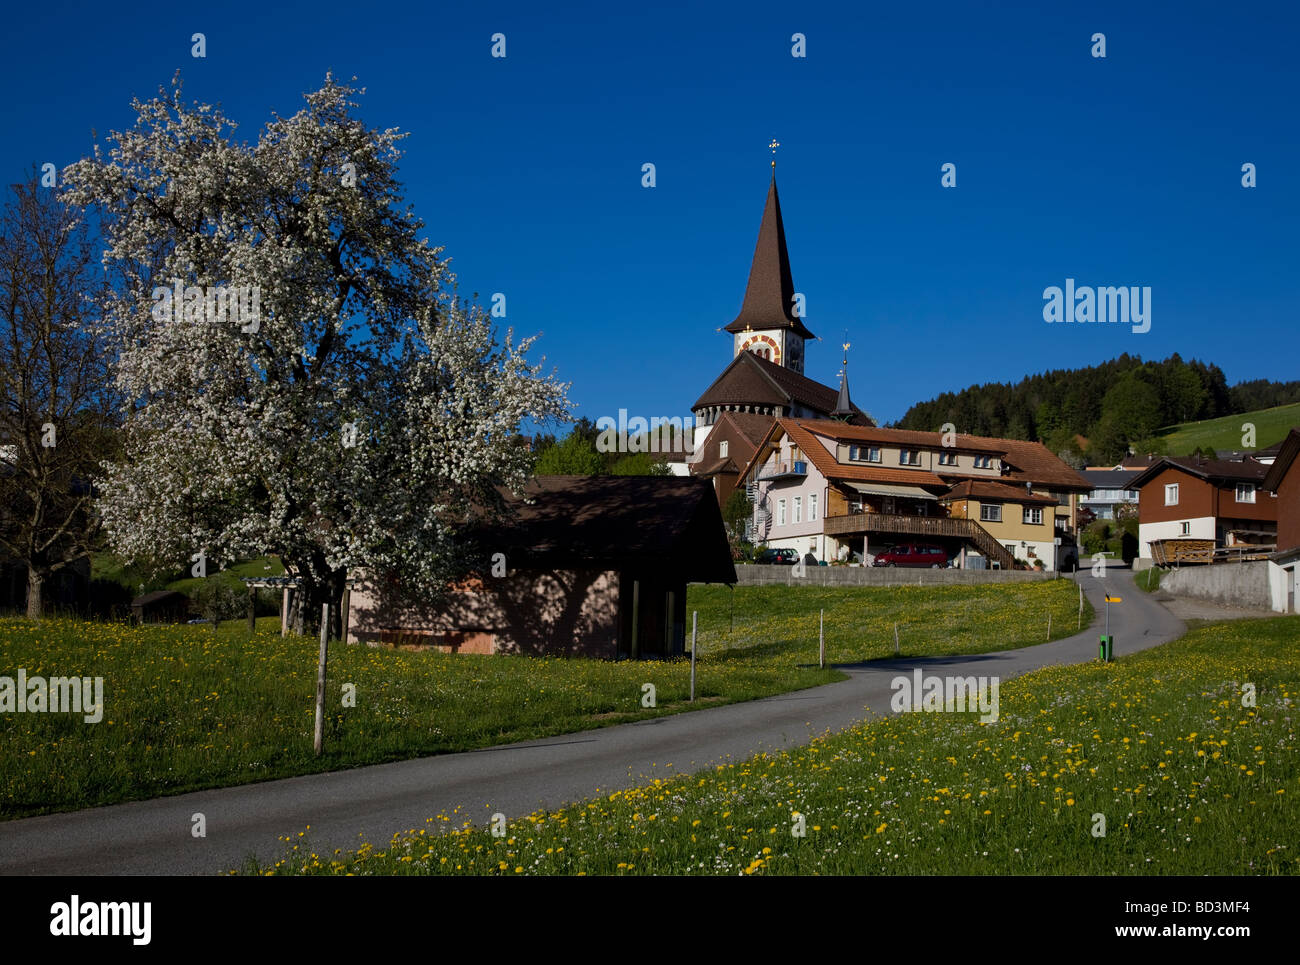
(1111, 489)
(593, 566)
(845, 492)
(728, 449)
(1190, 506)
(1283, 481)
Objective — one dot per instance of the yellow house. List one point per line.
(1020, 519)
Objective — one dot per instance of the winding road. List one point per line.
(343, 807)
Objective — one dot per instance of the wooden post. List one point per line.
(821, 640)
(347, 610)
(1080, 620)
(670, 624)
(636, 619)
(284, 613)
(252, 610)
(320, 677)
(895, 639)
(695, 616)
(1049, 624)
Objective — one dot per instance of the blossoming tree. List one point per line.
(302, 379)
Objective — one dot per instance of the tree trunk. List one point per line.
(35, 581)
(320, 585)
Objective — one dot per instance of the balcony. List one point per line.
(864, 523)
(952, 527)
(784, 470)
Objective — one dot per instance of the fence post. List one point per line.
(695, 615)
(320, 677)
(821, 640)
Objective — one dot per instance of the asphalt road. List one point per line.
(373, 803)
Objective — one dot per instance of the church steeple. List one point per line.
(770, 296)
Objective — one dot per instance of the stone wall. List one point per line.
(751, 574)
(1234, 584)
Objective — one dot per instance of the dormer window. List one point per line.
(947, 458)
(909, 457)
(983, 462)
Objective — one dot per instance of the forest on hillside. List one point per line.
(1114, 406)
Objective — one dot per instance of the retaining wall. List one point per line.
(1234, 584)
(750, 574)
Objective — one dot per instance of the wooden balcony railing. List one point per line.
(933, 526)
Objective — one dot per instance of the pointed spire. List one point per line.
(769, 296)
(843, 407)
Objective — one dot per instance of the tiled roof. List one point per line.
(1109, 478)
(979, 489)
(1029, 461)
(831, 469)
(750, 380)
(1247, 470)
(666, 523)
(751, 425)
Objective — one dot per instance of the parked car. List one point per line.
(782, 556)
(913, 554)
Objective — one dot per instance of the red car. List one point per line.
(913, 554)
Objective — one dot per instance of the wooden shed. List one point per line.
(587, 566)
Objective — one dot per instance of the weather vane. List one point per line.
(846, 348)
(774, 145)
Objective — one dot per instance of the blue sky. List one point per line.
(1117, 171)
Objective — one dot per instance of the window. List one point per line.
(983, 462)
(864, 453)
(1186, 529)
(947, 458)
(909, 457)
(812, 507)
(1034, 515)
(990, 513)
(722, 449)
(1171, 494)
(1245, 493)
(798, 509)
(780, 512)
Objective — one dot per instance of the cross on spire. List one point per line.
(773, 146)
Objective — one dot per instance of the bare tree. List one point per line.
(55, 388)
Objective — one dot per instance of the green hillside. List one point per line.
(1271, 425)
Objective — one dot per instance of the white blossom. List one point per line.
(234, 439)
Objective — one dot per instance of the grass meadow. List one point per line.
(190, 707)
(1177, 760)
(1271, 425)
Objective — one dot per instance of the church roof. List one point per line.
(769, 296)
(751, 380)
